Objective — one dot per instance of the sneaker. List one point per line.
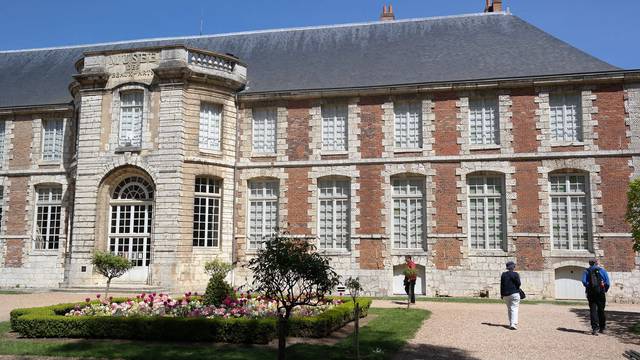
(594, 332)
(513, 327)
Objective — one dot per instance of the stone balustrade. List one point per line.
(211, 61)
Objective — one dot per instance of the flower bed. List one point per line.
(160, 317)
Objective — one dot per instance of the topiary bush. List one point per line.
(217, 291)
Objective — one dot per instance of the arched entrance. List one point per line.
(398, 280)
(130, 225)
(568, 283)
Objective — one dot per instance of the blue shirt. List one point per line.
(603, 274)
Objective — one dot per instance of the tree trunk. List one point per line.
(106, 293)
(357, 331)
(282, 335)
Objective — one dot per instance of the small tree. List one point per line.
(217, 288)
(110, 266)
(354, 287)
(292, 273)
(633, 211)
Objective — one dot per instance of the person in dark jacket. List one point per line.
(596, 283)
(510, 292)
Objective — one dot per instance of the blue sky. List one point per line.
(604, 28)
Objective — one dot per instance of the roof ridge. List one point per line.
(301, 28)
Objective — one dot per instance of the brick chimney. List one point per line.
(387, 13)
(493, 6)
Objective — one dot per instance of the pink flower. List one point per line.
(87, 300)
(97, 296)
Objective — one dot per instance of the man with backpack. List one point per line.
(596, 282)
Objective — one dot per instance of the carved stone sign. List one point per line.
(136, 66)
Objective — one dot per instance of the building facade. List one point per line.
(375, 141)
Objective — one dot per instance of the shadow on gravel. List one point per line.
(432, 352)
(584, 332)
(619, 324)
(496, 325)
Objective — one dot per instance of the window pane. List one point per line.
(263, 211)
(334, 127)
(52, 139)
(408, 125)
(48, 218)
(333, 213)
(484, 121)
(408, 213)
(210, 122)
(206, 212)
(264, 130)
(131, 110)
(565, 117)
(486, 213)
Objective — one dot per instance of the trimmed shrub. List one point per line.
(50, 322)
(217, 291)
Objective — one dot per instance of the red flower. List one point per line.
(97, 296)
(87, 300)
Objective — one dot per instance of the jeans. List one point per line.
(512, 301)
(597, 302)
(410, 289)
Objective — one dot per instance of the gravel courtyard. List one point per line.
(478, 331)
(474, 331)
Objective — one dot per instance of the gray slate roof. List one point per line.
(457, 48)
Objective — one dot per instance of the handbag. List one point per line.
(522, 294)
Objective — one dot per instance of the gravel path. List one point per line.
(478, 331)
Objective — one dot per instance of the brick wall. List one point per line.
(446, 125)
(371, 254)
(529, 254)
(527, 202)
(371, 127)
(447, 253)
(524, 120)
(615, 182)
(298, 195)
(22, 139)
(446, 199)
(611, 118)
(298, 130)
(371, 195)
(618, 255)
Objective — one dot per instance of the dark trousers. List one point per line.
(410, 289)
(597, 302)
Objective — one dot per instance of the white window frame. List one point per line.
(485, 113)
(50, 198)
(55, 142)
(211, 195)
(267, 226)
(127, 130)
(335, 127)
(568, 195)
(413, 242)
(264, 130)
(567, 104)
(340, 195)
(210, 126)
(485, 196)
(405, 114)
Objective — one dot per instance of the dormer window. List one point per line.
(131, 110)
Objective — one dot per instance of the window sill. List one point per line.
(572, 253)
(488, 253)
(206, 249)
(210, 152)
(404, 252)
(50, 162)
(485, 147)
(570, 143)
(263, 155)
(124, 149)
(334, 152)
(335, 252)
(404, 151)
(42, 252)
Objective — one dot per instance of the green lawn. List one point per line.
(380, 339)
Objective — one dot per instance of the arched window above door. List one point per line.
(133, 188)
